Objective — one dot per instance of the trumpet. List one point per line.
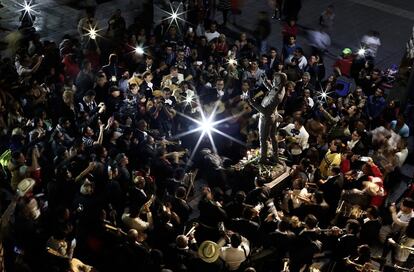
(341, 231)
(361, 267)
(192, 230)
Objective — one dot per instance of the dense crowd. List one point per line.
(100, 136)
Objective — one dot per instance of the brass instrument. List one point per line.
(192, 229)
(341, 231)
(361, 267)
(76, 265)
(350, 211)
(286, 262)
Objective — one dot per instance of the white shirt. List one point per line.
(137, 223)
(210, 36)
(301, 138)
(233, 257)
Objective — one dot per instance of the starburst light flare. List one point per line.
(361, 52)
(175, 15)
(28, 8)
(92, 32)
(207, 125)
(232, 61)
(139, 50)
(323, 95)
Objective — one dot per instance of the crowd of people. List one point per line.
(101, 151)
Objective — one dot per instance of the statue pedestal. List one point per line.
(272, 173)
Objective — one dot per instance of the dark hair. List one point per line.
(409, 231)
(235, 240)
(408, 202)
(311, 221)
(353, 226)
(113, 58)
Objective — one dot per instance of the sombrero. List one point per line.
(25, 186)
(209, 251)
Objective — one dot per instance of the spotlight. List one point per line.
(92, 32)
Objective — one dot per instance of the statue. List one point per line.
(269, 116)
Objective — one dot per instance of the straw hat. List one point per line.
(158, 93)
(25, 186)
(209, 251)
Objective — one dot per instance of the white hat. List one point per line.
(209, 251)
(25, 186)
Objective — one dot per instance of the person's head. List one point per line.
(254, 64)
(174, 71)
(352, 226)
(181, 241)
(335, 146)
(298, 52)
(372, 212)
(312, 60)
(298, 123)
(90, 96)
(407, 205)
(180, 192)
(281, 135)
(139, 182)
(375, 74)
(101, 79)
(356, 135)
(213, 27)
(113, 59)
(311, 221)
(292, 40)
(142, 125)
(306, 77)
(290, 86)
(220, 84)
(86, 65)
(264, 59)
(18, 157)
(245, 85)
(147, 76)
(243, 36)
(273, 53)
(114, 90)
(235, 240)
(133, 88)
(379, 92)
(88, 131)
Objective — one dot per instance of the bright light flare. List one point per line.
(28, 8)
(207, 125)
(323, 95)
(92, 32)
(175, 16)
(139, 50)
(232, 61)
(361, 52)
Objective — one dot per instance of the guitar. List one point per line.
(76, 265)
